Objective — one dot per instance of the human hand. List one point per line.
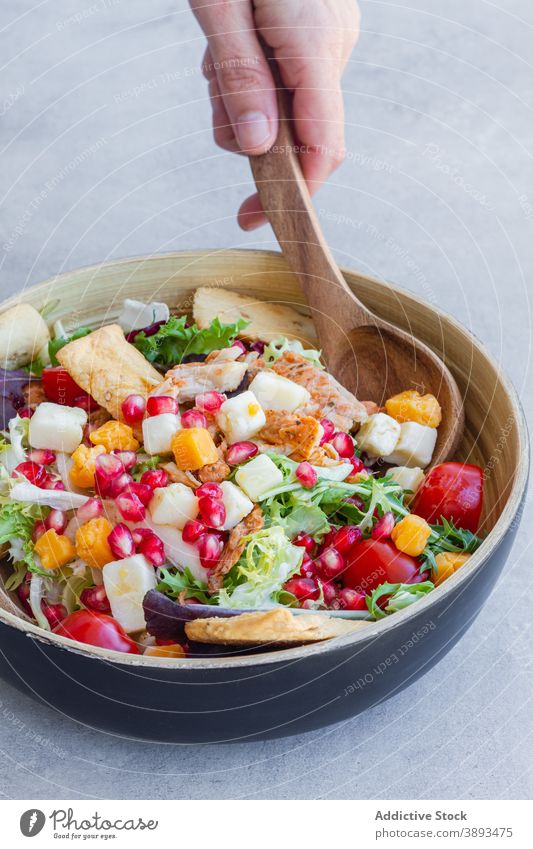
(312, 41)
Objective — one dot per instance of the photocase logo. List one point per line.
(32, 822)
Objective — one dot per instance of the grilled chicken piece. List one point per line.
(234, 547)
(187, 381)
(179, 476)
(329, 400)
(33, 393)
(297, 436)
(216, 472)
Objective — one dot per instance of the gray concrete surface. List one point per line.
(106, 151)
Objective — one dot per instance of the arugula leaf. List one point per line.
(55, 345)
(175, 583)
(17, 520)
(175, 339)
(35, 368)
(401, 595)
(445, 536)
(147, 465)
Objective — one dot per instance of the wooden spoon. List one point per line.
(368, 355)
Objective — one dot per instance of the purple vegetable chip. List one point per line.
(11, 395)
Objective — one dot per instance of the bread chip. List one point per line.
(108, 367)
(267, 320)
(276, 627)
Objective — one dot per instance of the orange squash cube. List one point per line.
(411, 534)
(115, 436)
(172, 650)
(82, 472)
(448, 562)
(410, 406)
(91, 542)
(55, 550)
(193, 447)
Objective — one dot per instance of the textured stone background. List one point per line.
(106, 151)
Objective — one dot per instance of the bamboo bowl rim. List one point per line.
(373, 630)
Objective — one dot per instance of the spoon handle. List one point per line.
(289, 208)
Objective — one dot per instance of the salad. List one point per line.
(173, 485)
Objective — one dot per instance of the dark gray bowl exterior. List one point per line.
(264, 700)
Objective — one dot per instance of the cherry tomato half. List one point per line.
(452, 490)
(96, 629)
(374, 562)
(59, 387)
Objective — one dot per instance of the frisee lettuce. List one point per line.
(175, 340)
(401, 595)
(16, 522)
(267, 562)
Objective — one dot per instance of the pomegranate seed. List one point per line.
(357, 466)
(240, 345)
(383, 527)
(192, 530)
(140, 534)
(329, 429)
(153, 549)
(36, 474)
(92, 509)
(308, 567)
(193, 418)
(23, 592)
(240, 452)
(154, 478)
(328, 539)
(39, 529)
(55, 613)
(343, 444)
(302, 588)
(56, 519)
(118, 485)
(107, 468)
(25, 412)
(130, 507)
(95, 598)
(53, 483)
(209, 402)
(356, 501)
(258, 347)
(212, 511)
(352, 600)
(331, 563)
(121, 542)
(209, 488)
(156, 405)
(306, 475)
(347, 537)
(143, 492)
(330, 592)
(127, 458)
(42, 456)
(85, 402)
(133, 408)
(305, 541)
(209, 548)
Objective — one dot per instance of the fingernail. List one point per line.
(252, 130)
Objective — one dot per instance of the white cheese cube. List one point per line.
(410, 479)
(258, 476)
(158, 432)
(241, 417)
(135, 314)
(414, 447)
(126, 582)
(275, 392)
(378, 435)
(57, 427)
(174, 505)
(237, 504)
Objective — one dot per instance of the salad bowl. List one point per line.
(276, 693)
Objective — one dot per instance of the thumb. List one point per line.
(241, 69)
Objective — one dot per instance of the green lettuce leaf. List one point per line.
(175, 340)
(16, 524)
(267, 562)
(175, 583)
(401, 595)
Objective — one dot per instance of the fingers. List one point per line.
(243, 79)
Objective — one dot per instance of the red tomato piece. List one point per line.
(452, 490)
(373, 562)
(96, 629)
(59, 387)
